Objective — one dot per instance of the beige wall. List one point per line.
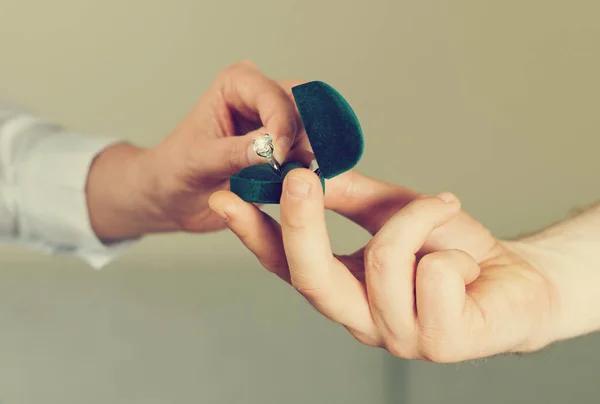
(496, 101)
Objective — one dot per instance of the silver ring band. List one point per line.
(274, 164)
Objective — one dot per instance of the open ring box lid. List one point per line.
(333, 131)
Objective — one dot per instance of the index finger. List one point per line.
(390, 260)
(368, 202)
(255, 96)
(325, 282)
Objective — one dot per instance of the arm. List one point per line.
(61, 191)
(432, 283)
(43, 178)
(569, 254)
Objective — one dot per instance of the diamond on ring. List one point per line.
(263, 146)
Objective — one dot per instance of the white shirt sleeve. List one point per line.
(43, 175)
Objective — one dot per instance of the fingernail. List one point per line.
(297, 188)
(447, 197)
(282, 147)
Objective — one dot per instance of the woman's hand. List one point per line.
(132, 191)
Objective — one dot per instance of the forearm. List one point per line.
(44, 173)
(568, 254)
(119, 196)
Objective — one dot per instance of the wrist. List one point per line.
(120, 194)
(573, 287)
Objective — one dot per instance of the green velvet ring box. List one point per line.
(333, 131)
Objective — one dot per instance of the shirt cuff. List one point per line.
(51, 188)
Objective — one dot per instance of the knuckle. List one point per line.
(366, 339)
(228, 73)
(288, 84)
(454, 254)
(438, 354)
(399, 349)
(315, 289)
(273, 264)
(311, 293)
(432, 263)
(437, 347)
(243, 64)
(400, 338)
(377, 257)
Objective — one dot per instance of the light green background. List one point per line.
(495, 101)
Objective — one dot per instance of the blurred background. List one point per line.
(494, 101)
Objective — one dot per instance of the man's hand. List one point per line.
(432, 283)
(132, 192)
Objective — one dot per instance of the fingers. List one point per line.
(260, 233)
(368, 202)
(227, 156)
(449, 321)
(302, 149)
(441, 282)
(314, 271)
(254, 95)
(304, 231)
(390, 261)
(371, 203)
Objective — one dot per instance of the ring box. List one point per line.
(335, 136)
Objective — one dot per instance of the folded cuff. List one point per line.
(50, 184)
